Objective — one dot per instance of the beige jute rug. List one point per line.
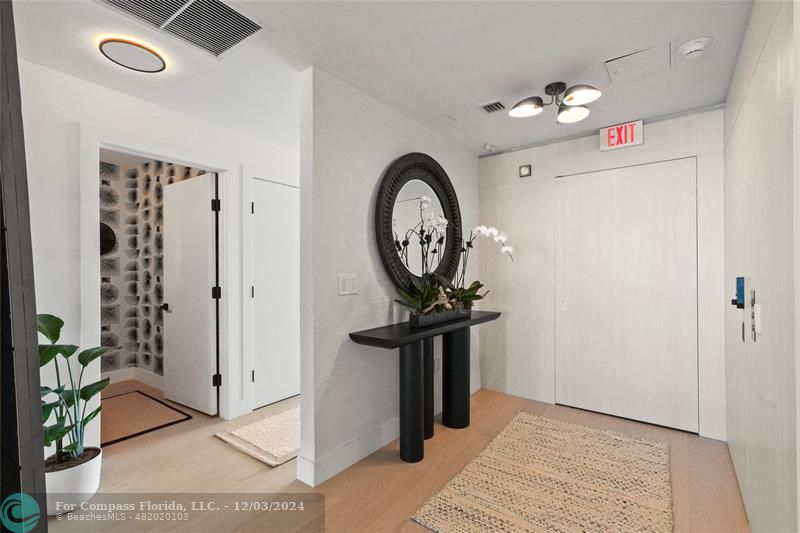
(273, 439)
(543, 475)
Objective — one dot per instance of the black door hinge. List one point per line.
(252, 207)
(216, 205)
(216, 293)
(252, 291)
(216, 380)
(253, 376)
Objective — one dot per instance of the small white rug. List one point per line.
(274, 439)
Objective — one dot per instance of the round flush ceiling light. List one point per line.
(132, 54)
(581, 94)
(527, 108)
(569, 114)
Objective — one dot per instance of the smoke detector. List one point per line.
(488, 147)
(694, 48)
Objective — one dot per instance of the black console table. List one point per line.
(416, 375)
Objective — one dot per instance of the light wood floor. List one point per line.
(381, 492)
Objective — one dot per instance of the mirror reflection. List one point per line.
(420, 229)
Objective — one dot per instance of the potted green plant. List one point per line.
(72, 473)
(429, 303)
(463, 297)
(432, 298)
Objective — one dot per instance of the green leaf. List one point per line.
(446, 283)
(55, 432)
(88, 418)
(90, 354)
(47, 410)
(48, 352)
(88, 391)
(49, 326)
(405, 304)
(406, 296)
(68, 396)
(47, 390)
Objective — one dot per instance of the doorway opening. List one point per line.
(159, 293)
(161, 252)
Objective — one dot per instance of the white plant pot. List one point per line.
(71, 487)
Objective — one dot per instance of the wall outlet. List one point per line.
(348, 284)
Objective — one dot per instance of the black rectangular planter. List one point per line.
(417, 320)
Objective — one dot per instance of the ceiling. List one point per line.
(252, 89)
(437, 62)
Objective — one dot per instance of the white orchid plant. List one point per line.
(434, 293)
(430, 232)
(460, 294)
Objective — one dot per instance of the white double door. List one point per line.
(276, 292)
(626, 292)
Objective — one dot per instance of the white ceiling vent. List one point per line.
(640, 63)
(208, 24)
(493, 107)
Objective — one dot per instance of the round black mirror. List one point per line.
(417, 220)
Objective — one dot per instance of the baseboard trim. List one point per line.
(305, 470)
(313, 472)
(122, 374)
(136, 374)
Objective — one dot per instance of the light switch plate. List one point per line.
(757, 318)
(348, 284)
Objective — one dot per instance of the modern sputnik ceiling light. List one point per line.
(571, 102)
(132, 54)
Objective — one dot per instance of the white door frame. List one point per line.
(248, 280)
(92, 139)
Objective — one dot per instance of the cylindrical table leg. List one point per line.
(455, 378)
(412, 441)
(427, 385)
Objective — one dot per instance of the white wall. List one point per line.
(759, 215)
(518, 351)
(64, 116)
(348, 140)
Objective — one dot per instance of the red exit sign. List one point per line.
(622, 135)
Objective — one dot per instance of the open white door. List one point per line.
(190, 326)
(626, 292)
(276, 291)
